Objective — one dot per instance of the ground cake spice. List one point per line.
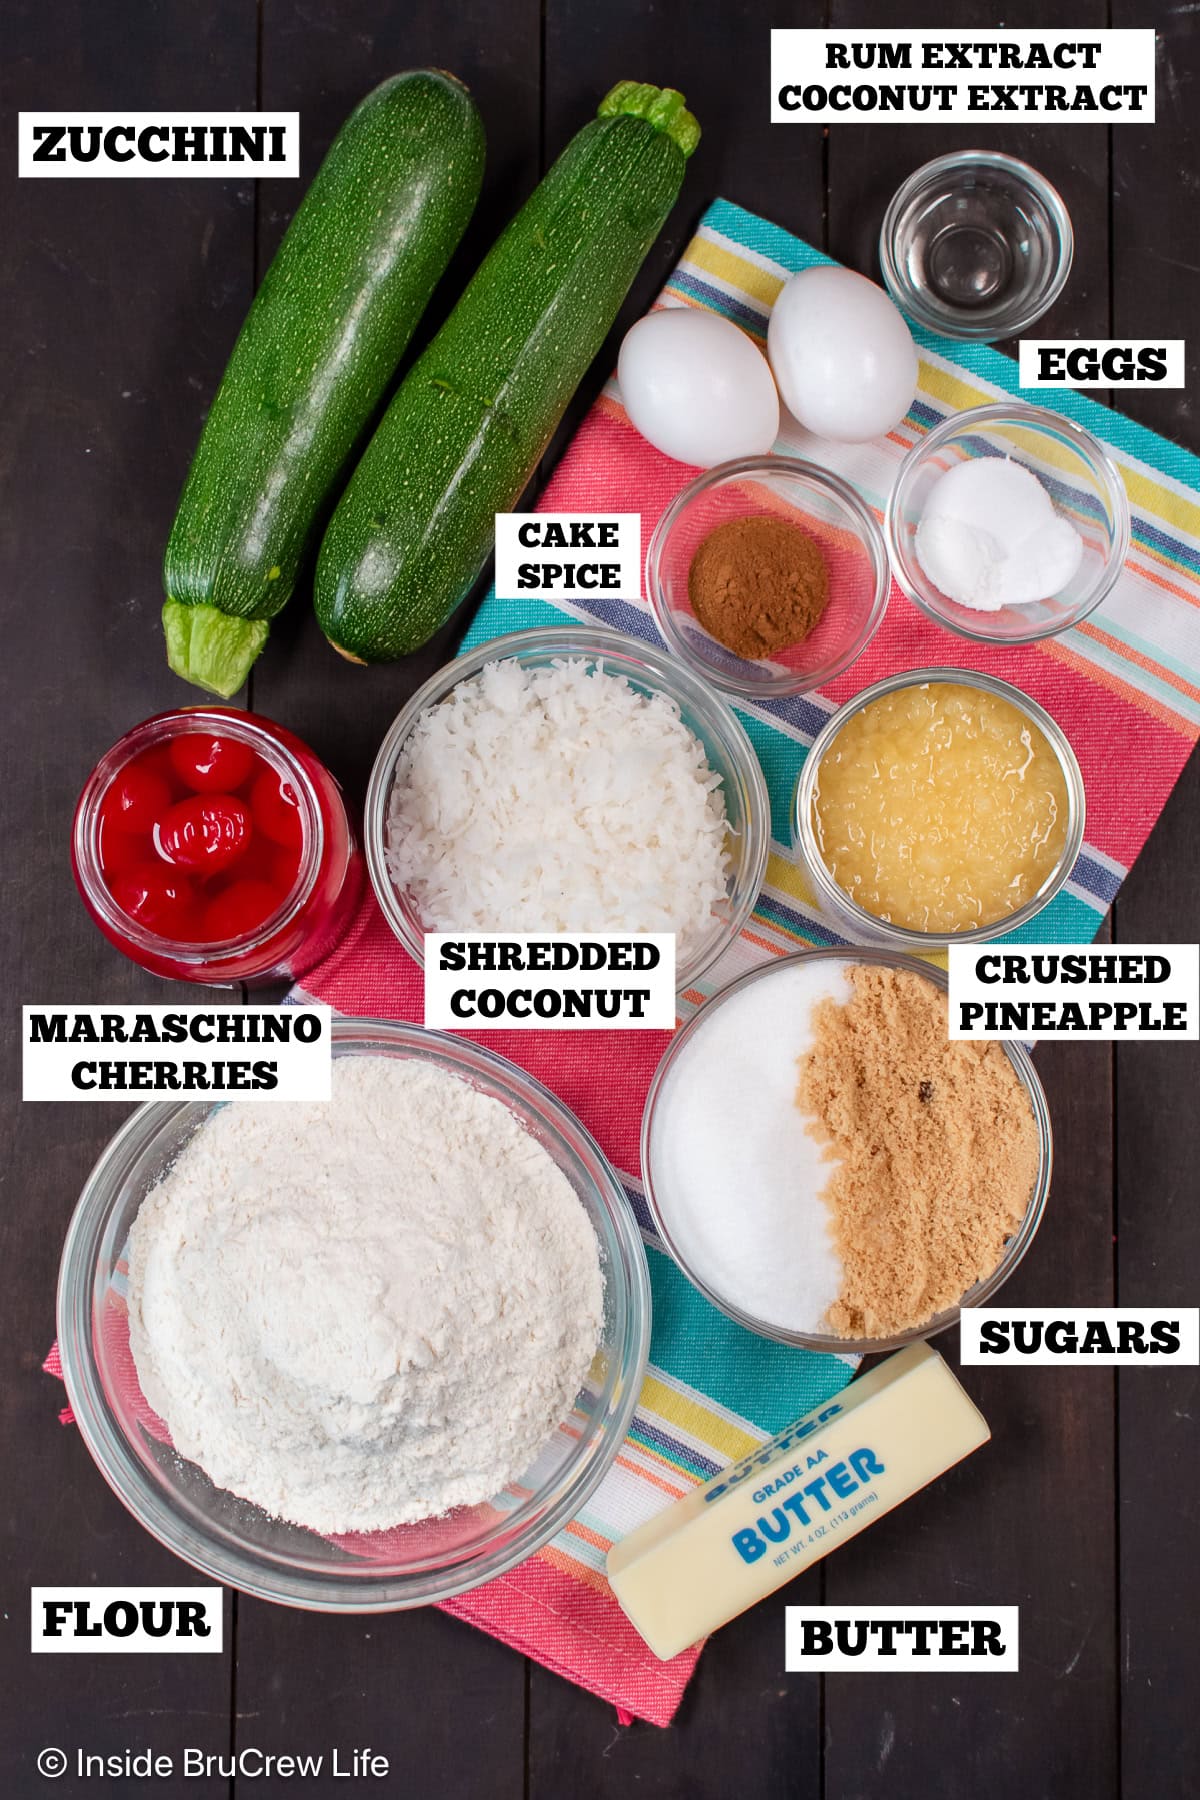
(936, 1146)
(758, 584)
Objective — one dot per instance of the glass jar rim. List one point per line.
(160, 728)
(903, 936)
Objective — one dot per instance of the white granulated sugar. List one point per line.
(736, 1174)
(557, 799)
(369, 1312)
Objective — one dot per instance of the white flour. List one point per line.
(366, 1313)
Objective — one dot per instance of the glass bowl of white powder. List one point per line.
(568, 779)
(1007, 523)
(318, 1296)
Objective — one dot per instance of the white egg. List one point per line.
(842, 355)
(697, 388)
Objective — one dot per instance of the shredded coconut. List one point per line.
(557, 799)
(369, 1312)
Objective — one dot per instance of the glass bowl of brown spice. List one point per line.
(767, 576)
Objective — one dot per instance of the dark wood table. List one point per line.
(121, 301)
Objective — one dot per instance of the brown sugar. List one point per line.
(758, 584)
(936, 1147)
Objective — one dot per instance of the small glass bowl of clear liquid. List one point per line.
(976, 245)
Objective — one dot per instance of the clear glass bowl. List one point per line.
(852, 920)
(1018, 1244)
(1082, 482)
(820, 503)
(729, 751)
(976, 245)
(231, 1540)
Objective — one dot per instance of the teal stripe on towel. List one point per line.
(769, 1383)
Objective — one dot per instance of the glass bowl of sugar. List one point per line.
(1007, 523)
(800, 1202)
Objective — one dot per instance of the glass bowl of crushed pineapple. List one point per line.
(939, 806)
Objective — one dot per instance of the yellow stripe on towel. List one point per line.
(692, 1416)
(736, 271)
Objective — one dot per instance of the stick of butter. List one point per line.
(761, 1521)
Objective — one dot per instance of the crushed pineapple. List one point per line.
(940, 807)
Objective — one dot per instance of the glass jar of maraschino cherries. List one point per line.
(211, 845)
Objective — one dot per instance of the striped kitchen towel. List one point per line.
(1125, 685)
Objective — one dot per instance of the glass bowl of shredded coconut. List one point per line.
(1007, 523)
(569, 780)
(358, 1355)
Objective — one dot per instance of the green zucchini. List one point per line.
(474, 415)
(321, 341)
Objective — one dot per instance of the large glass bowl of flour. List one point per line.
(237, 1543)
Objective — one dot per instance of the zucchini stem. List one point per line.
(211, 649)
(664, 108)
